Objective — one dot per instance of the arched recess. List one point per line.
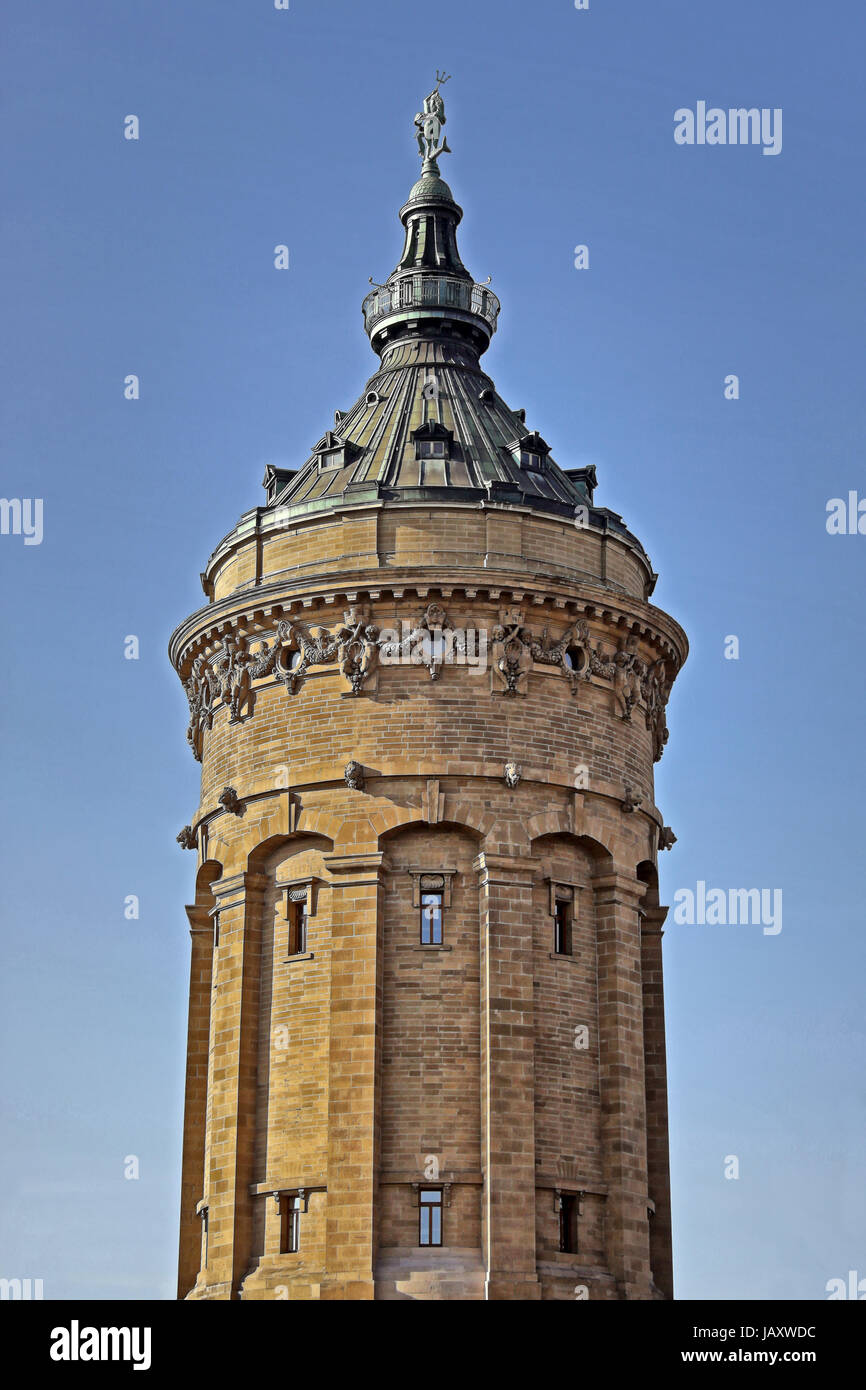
(601, 859)
(430, 1072)
(209, 872)
(647, 872)
(288, 1018)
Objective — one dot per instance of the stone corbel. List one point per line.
(631, 801)
(231, 802)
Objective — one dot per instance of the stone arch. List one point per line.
(318, 821)
(303, 838)
(412, 819)
(599, 853)
(388, 818)
(465, 815)
(553, 822)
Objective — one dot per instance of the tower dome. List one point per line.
(427, 690)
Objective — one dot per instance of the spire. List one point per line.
(430, 293)
(430, 424)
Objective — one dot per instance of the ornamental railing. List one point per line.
(430, 292)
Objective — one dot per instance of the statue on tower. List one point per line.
(429, 123)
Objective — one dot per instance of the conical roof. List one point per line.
(430, 423)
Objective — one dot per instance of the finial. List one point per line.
(428, 127)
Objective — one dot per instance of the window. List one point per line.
(431, 919)
(430, 1216)
(562, 923)
(204, 1237)
(296, 915)
(290, 1223)
(431, 448)
(568, 1223)
(575, 659)
(530, 460)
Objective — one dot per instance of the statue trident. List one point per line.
(429, 123)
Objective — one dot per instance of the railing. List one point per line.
(430, 291)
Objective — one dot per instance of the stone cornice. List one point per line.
(322, 776)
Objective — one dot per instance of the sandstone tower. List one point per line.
(426, 1048)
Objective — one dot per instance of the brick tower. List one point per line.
(426, 1050)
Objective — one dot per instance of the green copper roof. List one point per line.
(431, 188)
(430, 423)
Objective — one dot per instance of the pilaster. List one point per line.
(201, 929)
(352, 1074)
(234, 1061)
(622, 1081)
(507, 1077)
(658, 1160)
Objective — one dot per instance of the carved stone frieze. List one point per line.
(510, 656)
(426, 643)
(628, 673)
(358, 647)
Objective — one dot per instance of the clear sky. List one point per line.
(155, 257)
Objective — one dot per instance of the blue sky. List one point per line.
(155, 257)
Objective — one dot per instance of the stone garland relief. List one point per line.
(358, 646)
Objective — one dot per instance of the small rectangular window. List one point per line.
(568, 1223)
(430, 1209)
(562, 928)
(297, 919)
(204, 1237)
(290, 1224)
(431, 448)
(431, 919)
